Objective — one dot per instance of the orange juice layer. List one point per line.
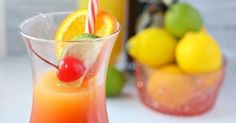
(55, 103)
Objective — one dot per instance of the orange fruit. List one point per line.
(169, 86)
(75, 23)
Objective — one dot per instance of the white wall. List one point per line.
(2, 31)
(18, 10)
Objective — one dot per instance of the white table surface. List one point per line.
(16, 99)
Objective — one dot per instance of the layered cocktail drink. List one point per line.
(69, 65)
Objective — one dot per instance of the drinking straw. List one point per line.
(91, 16)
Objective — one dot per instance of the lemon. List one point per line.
(153, 47)
(198, 53)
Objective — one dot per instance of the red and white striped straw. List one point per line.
(91, 16)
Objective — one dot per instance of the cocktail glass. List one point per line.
(82, 101)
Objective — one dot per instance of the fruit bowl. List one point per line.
(178, 94)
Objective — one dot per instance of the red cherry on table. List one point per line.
(70, 69)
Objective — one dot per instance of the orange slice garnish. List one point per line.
(74, 25)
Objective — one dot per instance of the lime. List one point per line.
(85, 36)
(198, 53)
(182, 18)
(115, 82)
(153, 47)
(87, 50)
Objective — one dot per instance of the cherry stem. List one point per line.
(46, 61)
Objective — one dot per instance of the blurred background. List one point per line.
(219, 17)
(14, 11)
(220, 21)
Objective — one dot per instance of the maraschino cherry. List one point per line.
(70, 69)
